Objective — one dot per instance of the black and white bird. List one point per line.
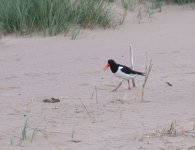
(122, 72)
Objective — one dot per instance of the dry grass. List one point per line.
(167, 136)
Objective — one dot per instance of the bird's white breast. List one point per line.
(123, 75)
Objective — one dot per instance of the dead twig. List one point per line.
(148, 69)
(96, 95)
(85, 108)
(132, 64)
(92, 95)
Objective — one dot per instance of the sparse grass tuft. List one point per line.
(24, 130)
(125, 4)
(17, 140)
(172, 130)
(33, 135)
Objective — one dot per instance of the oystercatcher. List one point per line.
(122, 72)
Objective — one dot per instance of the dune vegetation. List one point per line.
(52, 17)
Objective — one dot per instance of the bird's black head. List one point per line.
(113, 65)
(111, 62)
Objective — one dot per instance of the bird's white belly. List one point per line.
(123, 75)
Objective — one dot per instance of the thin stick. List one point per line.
(96, 95)
(85, 108)
(148, 69)
(92, 95)
(72, 135)
(132, 64)
(94, 92)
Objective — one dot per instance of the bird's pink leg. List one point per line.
(129, 85)
(117, 86)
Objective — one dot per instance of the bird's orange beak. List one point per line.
(106, 67)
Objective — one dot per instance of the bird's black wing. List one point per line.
(127, 70)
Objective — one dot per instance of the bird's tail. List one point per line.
(140, 73)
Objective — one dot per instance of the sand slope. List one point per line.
(36, 68)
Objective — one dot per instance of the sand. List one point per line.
(90, 116)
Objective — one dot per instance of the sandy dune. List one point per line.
(36, 68)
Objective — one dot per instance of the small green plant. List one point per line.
(125, 4)
(33, 135)
(157, 4)
(17, 140)
(139, 15)
(24, 130)
(193, 6)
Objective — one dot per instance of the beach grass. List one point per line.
(177, 1)
(53, 16)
